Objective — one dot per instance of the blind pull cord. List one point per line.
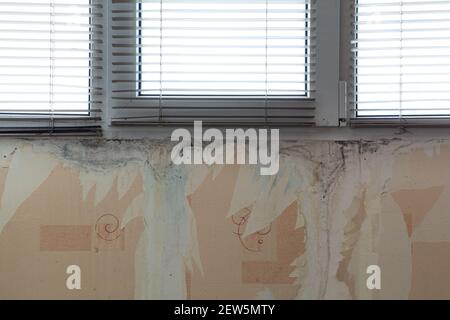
(266, 98)
(51, 61)
(160, 118)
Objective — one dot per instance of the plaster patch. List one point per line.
(65, 238)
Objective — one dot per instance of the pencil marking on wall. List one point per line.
(107, 227)
(240, 223)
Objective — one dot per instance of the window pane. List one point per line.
(44, 56)
(225, 48)
(403, 58)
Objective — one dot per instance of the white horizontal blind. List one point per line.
(224, 61)
(401, 59)
(51, 66)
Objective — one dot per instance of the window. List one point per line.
(50, 59)
(224, 48)
(220, 61)
(401, 59)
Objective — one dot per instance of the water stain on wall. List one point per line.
(352, 234)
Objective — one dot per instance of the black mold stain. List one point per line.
(107, 153)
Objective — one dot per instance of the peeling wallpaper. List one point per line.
(142, 228)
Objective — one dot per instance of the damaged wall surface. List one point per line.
(141, 228)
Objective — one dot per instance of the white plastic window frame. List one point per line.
(326, 101)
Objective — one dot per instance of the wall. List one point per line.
(142, 228)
